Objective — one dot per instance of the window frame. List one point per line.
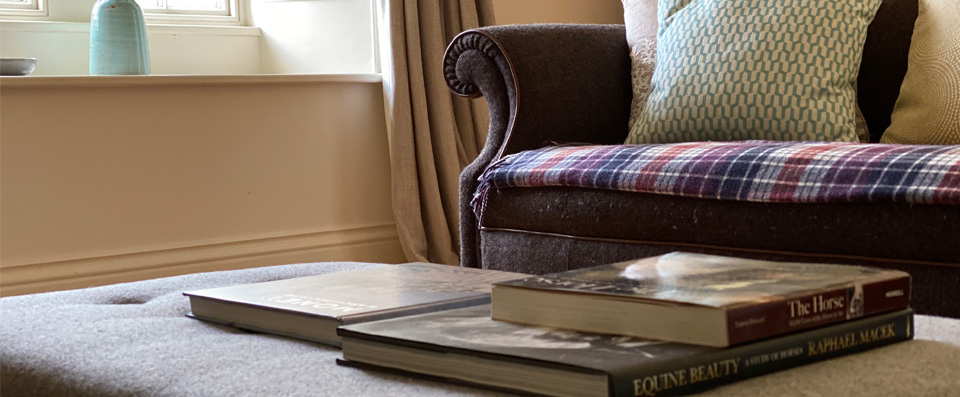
(232, 16)
(31, 10)
(236, 13)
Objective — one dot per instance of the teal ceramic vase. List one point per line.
(118, 39)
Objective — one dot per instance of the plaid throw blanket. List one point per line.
(762, 171)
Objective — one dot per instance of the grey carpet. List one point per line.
(134, 340)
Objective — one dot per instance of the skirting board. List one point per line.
(367, 244)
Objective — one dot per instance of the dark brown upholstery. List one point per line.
(543, 83)
(874, 232)
(571, 84)
(935, 288)
(555, 229)
(885, 63)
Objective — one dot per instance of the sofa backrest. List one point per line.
(885, 62)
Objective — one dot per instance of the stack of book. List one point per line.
(672, 324)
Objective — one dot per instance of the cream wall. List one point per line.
(558, 11)
(106, 180)
(117, 179)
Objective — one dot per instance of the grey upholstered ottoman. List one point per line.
(133, 339)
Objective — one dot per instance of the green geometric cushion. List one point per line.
(755, 69)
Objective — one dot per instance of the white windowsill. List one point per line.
(193, 79)
(82, 27)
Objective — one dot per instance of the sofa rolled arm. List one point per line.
(543, 83)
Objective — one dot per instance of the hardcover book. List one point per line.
(311, 308)
(466, 346)
(701, 299)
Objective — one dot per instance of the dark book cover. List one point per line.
(632, 366)
(286, 307)
(760, 298)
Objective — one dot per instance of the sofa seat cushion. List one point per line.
(881, 205)
(755, 171)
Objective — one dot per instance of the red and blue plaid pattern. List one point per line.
(761, 171)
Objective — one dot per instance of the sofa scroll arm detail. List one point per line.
(543, 83)
(475, 65)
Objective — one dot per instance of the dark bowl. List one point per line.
(17, 66)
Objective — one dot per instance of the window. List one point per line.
(191, 11)
(23, 8)
(210, 36)
(19, 4)
(204, 7)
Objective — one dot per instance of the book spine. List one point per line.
(815, 309)
(429, 307)
(736, 363)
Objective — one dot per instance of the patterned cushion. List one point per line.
(928, 109)
(755, 69)
(759, 171)
(640, 20)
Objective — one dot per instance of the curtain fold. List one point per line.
(433, 134)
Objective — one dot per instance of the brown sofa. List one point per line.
(571, 84)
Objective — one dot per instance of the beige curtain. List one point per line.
(433, 133)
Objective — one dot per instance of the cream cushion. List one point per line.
(928, 109)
